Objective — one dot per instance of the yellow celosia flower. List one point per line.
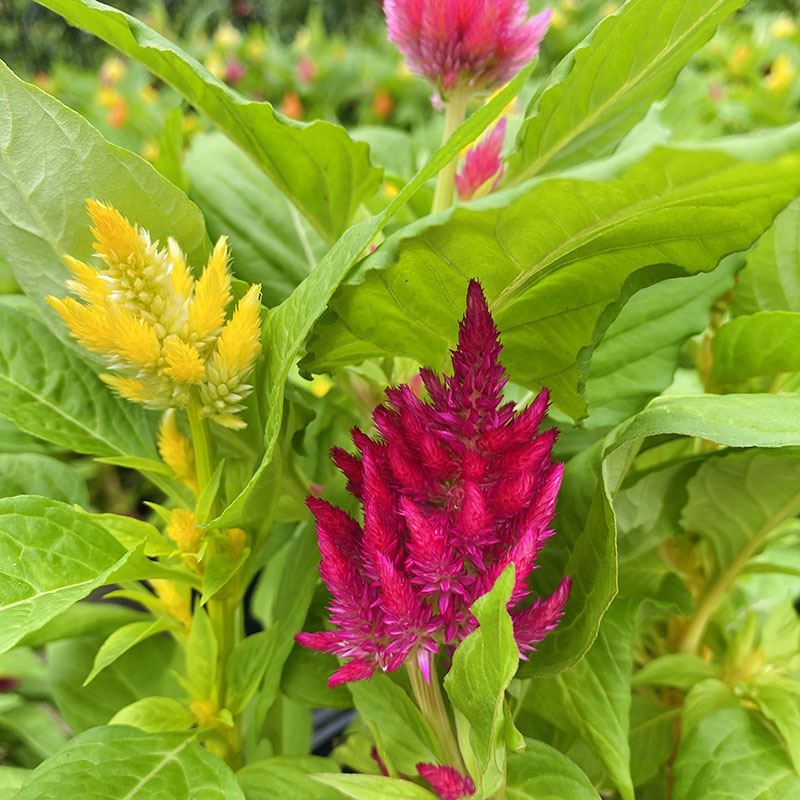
(237, 539)
(162, 333)
(172, 601)
(183, 530)
(783, 27)
(226, 36)
(176, 450)
(112, 71)
(781, 74)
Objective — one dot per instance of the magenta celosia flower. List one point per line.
(479, 43)
(448, 783)
(482, 163)
(453, 491)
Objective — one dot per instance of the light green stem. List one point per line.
(455, 112)
(431, 704)
(201, 441)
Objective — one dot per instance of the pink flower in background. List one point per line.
(480, 43)
(453, 491)
(234, 71)
(482, 163)
(448, 783)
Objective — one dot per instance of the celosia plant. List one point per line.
(482, 163)
(163, 334)
(453, 491)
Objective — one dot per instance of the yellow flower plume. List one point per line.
(162, 333)
(176, 450)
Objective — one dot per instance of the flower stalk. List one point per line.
(455, 114)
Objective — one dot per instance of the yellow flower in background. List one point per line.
(149, 94)
(255, 49)
(112, 71)
(783, 27)
(163, 334)
(184, 531)
(176, 450)
(215, 65)
(781, 74)
(226, 36)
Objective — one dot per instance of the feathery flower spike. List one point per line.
(475, 43)
(482, 162)
(453, 490)
(163, 334)
(448, 783)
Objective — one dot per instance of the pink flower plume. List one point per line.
(448, 783)
(482, 163)
(454, 489)
(480, 43)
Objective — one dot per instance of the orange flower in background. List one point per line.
(382, 104)
(292, 106)
(118, 114)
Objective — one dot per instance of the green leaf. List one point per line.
(287, 326)
(771, 279)
(201, 655)
(729, 755)
(325, 174)
(131, 532)
(781, 709)
(637, 357)
(99, 764)
(283, 777)
(155, 715)
(305, 679)
(31, 473)
(246, 666)
(592, 700)
(372, 787)
(765, 343)
(47, 390)
(35, 727)
(271, 244)
(11, 778)
(483, 666)
(652, 738)
(682, 670)
(146, 670)
(553, 287)
(51, 557)
(543, 773)
(405, 736)
(631, 59)
(122, 640)
(43, 211)
(736, 500)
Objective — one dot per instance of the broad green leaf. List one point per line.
(703, 699)
(372, 787)
(83, 619)
(287, 326)
(47, 390)
(584, 549)
(652, 738)
(144, 671)
(764, 343)
(155, 715)
(682, 670)
(271, 244)
(283, 777)
(729, 755)
(483, 666)
(781, 709)
(780, 635)
(592, 700)
(43, 211)
(637, 357)
(305, 679)
(130, 532)
(98, 764)
(11, 778)
(738, 499)
(201, 654)
(543, 773)
(220, 568)
(246, 666)
(32, 473)
(403, 732)
(631, 59)
(52, 556)
(323, 172)
(122, 640)
(771, 279)
(552, 287)
(35, 726)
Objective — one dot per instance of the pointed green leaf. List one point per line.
(682, 670)
(122, 640)
(280, 776)
(543, 773)
(201, 655)
(372, 787)
(246, 666)
(155, 715)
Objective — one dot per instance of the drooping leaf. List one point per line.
(771, 279)
(764, 343)
(276, 777)
(97, 764)
(592, 700)
(51, 556)
(553, 287)
(543, 773)
(42, 201)
(323, 172)
(728, 755)
(631, 59)
(271, 244)
(405, 736)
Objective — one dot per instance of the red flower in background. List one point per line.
(482, 163)
(448, 783)
(482, 43)
(453, 491)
